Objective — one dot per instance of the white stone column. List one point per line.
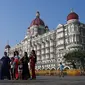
(43, 54)
(42, 48)
(47, 49)
(39, 53)
(35, 47)
(38, 46)
(51, 49)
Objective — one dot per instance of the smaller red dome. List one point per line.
(72, 15)
(7, 46)
(37, 21)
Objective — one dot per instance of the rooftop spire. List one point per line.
(7, 42)
(37, 14)
(71, 10)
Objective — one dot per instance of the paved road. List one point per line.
(47, 80)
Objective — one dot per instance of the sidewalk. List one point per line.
(47, 80)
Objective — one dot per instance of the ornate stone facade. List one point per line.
(51, 46)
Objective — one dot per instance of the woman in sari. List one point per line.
(25, 67)
(33, 59)
(16, 63)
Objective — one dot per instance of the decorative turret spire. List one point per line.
(71, 10)
(37, 14)
(7, 42)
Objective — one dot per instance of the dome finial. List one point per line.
(7, 42)
(71, 10)
(37, 14)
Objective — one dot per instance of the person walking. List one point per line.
(61, 70)
(5, 69)
(25, 67)
(33, 60)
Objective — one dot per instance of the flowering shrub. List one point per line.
(56, 72)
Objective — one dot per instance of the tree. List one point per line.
(76, 56)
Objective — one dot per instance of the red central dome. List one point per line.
(37, 21)
(72, 15)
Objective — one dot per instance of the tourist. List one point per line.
(5, 70)
(12, 68)
(1, 69)
(20, 69)
(25, 67)
(32, 63)
(16, 63)
(61, 70)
